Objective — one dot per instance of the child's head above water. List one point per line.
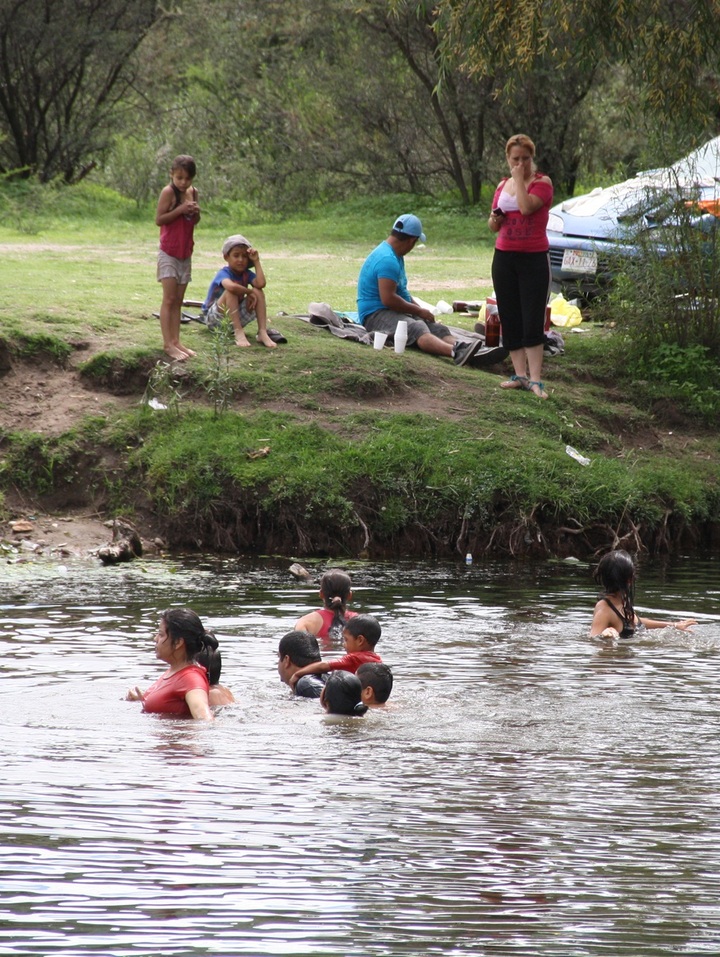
(335, 588)
(342, 694)
(364, 626)
(615, 572)
(376, 679)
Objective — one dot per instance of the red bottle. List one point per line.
(492, 326)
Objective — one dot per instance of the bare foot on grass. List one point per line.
(241, 340)
(188, 352)
(265, 339)
(176, 353)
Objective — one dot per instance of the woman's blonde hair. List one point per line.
(519, 139)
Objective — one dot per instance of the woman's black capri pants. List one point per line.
(522, 287)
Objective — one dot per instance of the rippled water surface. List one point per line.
(530, 791)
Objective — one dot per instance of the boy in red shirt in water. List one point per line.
(360, 635)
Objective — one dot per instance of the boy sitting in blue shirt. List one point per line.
(237, 291)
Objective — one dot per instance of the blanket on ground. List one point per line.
(345, 325)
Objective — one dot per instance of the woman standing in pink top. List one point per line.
(521, 263)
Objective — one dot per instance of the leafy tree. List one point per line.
(340, 95)
(670, 47)
(64, 67)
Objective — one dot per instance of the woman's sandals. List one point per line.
(515, 382)
(527, 385)
(537, 388)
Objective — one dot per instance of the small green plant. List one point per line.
(690, 372)
(218, 382)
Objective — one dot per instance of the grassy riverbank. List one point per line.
(321, 446)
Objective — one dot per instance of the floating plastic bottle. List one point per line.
(468, 559)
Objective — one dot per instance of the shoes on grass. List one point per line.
(464, 351)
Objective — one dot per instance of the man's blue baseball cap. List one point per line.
(410, 225)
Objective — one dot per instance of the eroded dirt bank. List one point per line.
(49, 398)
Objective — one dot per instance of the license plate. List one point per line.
(580, 260)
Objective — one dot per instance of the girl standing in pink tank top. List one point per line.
(177, 214)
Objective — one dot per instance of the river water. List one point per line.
(530, 791)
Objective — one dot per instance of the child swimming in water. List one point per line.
(614, 615)
(360, 636)
(329, 621)
(376, 679)
(342, 694)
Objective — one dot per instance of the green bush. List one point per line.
(669, 292)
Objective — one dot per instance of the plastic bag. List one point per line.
(563, 313)
(441, 309)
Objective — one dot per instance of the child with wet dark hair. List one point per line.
(342, 694)
(211, 660)
(329, 621)
(376, 679)
(360, 636)
(614, 615)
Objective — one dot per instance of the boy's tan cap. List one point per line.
(231, 241)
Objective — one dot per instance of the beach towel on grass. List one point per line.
(345, 326)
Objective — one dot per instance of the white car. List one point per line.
(589, 234)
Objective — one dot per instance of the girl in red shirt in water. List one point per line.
(182, 690)
(328, 622)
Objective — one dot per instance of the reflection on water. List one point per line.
(532, 792)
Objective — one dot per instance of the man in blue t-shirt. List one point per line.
(383, 297)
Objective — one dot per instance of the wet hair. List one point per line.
(183, 623)
(365, 625)
(615, 572)
(520, 139)
(379, 677)
(343, 694)
(186, 163)
(301, 647)
(211, 660)
(335, 587)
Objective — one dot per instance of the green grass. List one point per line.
(100, 251)
(407, 453)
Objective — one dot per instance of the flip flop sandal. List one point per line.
(542, 394)
(516, 382)
(276, 336)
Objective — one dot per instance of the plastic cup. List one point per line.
(400, 337)
(379, 340)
